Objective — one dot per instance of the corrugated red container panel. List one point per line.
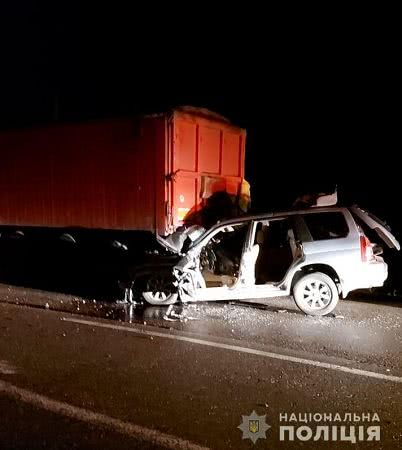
(208, 156)
(129, 174)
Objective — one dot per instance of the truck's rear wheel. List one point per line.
(316, 294)
(159, 289)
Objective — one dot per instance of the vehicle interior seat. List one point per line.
(248, 263)
(292, 243)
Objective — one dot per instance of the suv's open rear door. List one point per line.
(383, 230)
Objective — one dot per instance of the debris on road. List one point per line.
(173, 316)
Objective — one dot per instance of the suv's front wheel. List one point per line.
(316, 294)
(159, 289)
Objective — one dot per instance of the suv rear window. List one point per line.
(326, 225)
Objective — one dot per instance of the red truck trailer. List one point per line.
(124, 174)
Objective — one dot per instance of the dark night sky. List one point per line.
(319, 111)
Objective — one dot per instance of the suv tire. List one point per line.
(159, 289)
(316, 294)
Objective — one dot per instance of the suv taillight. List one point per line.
(366, 249)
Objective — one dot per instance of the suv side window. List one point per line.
(326, 225)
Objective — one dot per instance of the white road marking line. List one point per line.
(143, 434)
(6, 368)
(236, 348)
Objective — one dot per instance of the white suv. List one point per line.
(316, 254)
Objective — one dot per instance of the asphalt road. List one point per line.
(77, 375)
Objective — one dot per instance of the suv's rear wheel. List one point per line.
(316, 294)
